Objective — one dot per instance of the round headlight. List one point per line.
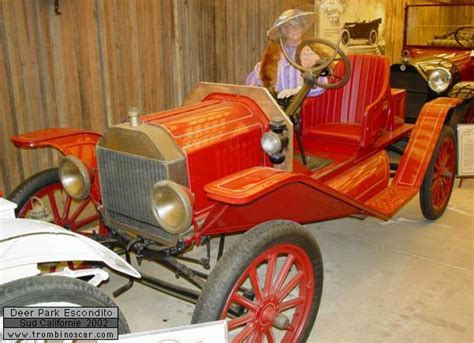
(271, 143)
(75, 177)
(439, 80)
(172, 206)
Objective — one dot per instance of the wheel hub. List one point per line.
(447, 174)
(267, 316)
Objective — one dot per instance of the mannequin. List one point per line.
(273, 71)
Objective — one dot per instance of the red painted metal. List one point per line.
(460, 57)
(424, 136)
(68, 141)
(72, 217)
(254, 195)
(260, 194)
(220, 135)
(353, 114)
(365, 179)
(396, 117)
(415, 160)
(230, 175)
(271, 291)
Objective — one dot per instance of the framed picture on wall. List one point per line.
(465, 138)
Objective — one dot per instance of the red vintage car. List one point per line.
(231, 161)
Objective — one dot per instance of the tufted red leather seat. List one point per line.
(352, 115)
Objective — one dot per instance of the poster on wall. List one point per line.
(465, 149)
(357, 24)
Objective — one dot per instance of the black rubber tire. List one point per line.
(426, 194)
(373, 41)
(48, 288)
(32, 185)
(234, 262)
(460, 115)
(345, 37)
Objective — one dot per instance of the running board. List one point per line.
(391, 199)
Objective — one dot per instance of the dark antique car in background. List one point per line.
(361, 30)
(437, 60)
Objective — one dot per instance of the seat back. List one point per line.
(367, 85)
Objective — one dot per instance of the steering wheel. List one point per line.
(464, 36)
(323, 65)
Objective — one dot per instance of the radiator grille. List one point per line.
(125, 181)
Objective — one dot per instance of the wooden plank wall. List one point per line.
(85, 67)
(394, 14)
(423, 19)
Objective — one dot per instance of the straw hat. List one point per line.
(305, 18)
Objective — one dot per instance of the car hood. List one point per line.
(427, 64)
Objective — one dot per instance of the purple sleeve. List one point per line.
(253, 78)
(318, 90)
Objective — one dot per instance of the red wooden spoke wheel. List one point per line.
(43, 191)
(443, 176)
(268, 285)
(439, 179)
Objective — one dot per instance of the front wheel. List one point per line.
(268, 285)
(55, 291)
(439, 178)
(42, 197)
(345, 37)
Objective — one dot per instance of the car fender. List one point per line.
(74, 142)
(462, 90)
(259, 194)
(24, 243)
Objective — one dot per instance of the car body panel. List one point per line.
(252, 195)
(224, 131)
(25, 242)
(78, 143)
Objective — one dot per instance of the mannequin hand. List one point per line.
(286, 93)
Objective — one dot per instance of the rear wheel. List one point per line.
(42, 197)
(55, 291)
(439, 178)
(268, 285)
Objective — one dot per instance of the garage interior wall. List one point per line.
(85, 67)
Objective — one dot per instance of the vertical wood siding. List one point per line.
(85, 67)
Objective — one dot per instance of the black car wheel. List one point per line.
(268, 285)
(439, 178)
(345, 37)
(373, 37)
(56, 291)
